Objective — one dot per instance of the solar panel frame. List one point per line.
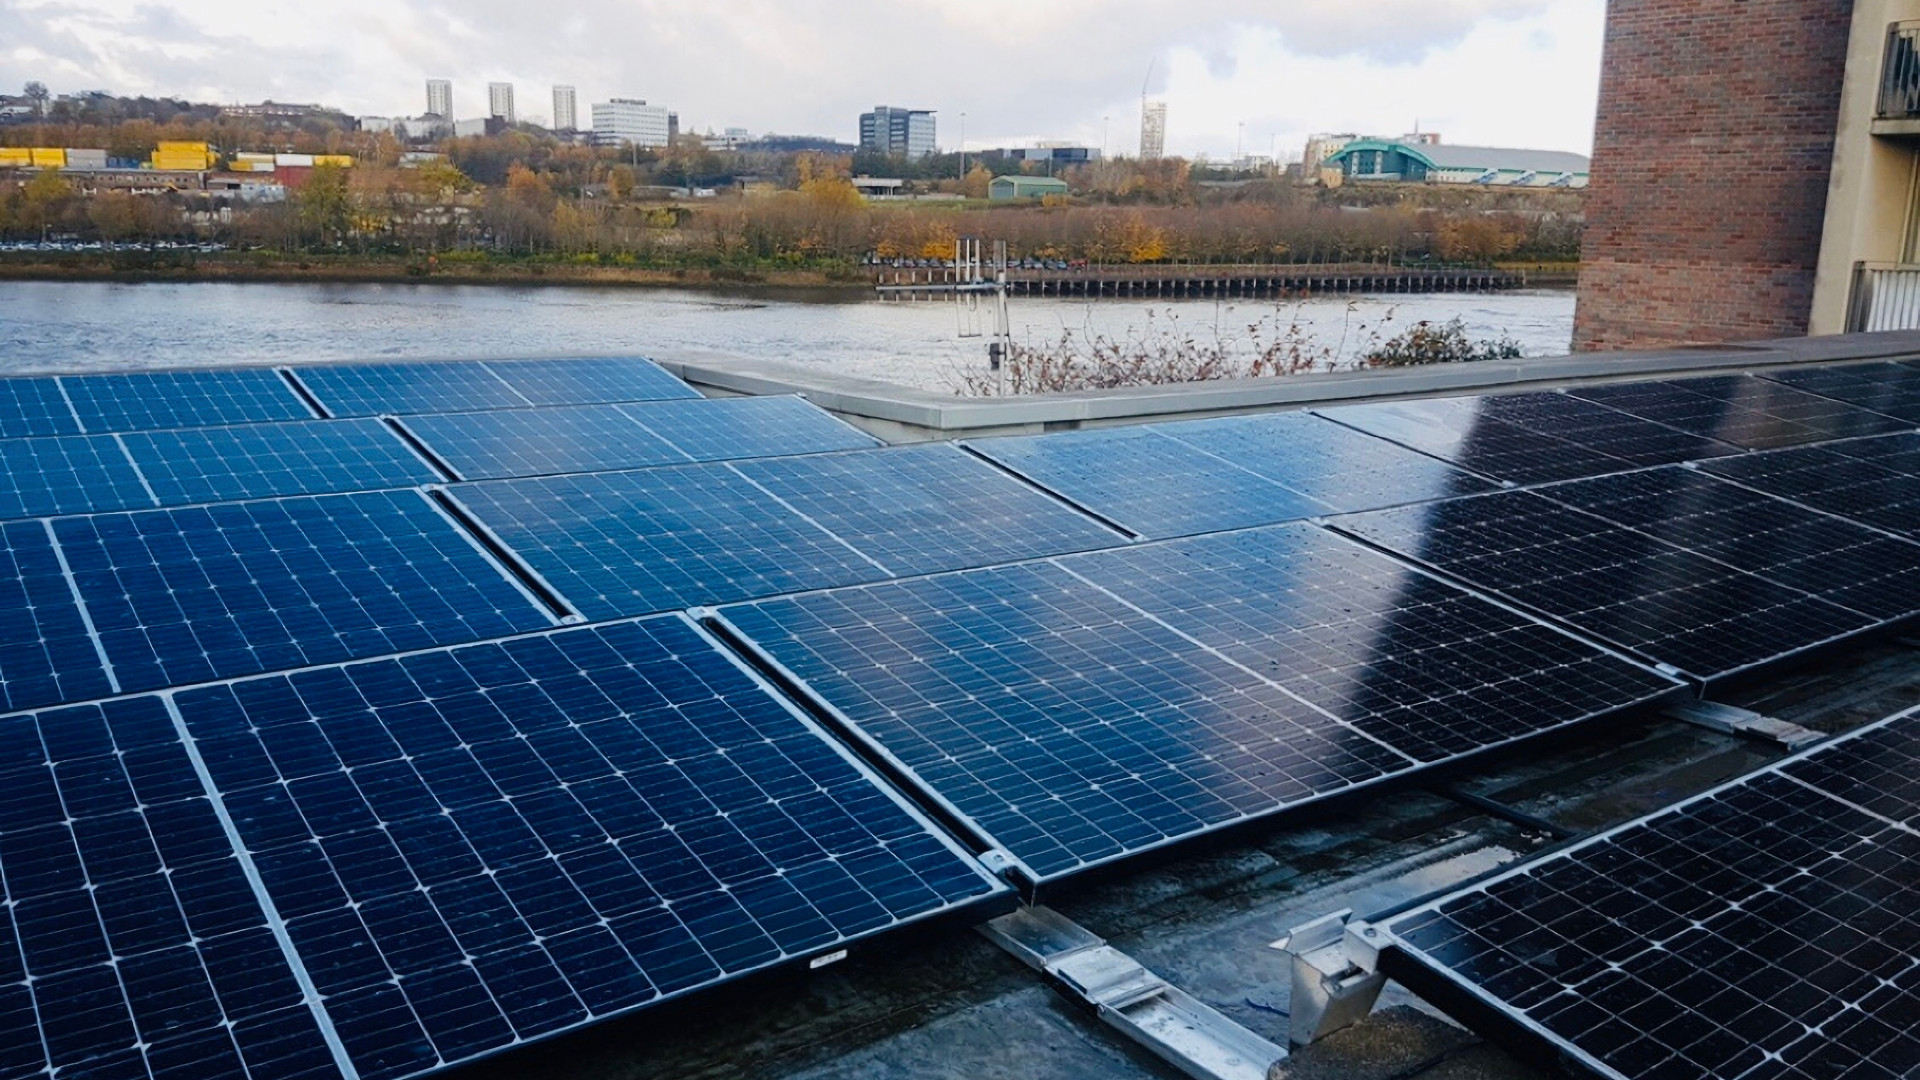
(1742, 410)
(196, 397)
(269, 460)
(1668, 928)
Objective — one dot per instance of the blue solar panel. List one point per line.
(480, 847)
(590, 380)
(725, 429)
(47, 654)
(541, 442)
(1150, 484)
(70, 475)
(1742, 410)
(377, 389)
(258, 461)
(30, 407)
(635, 543)
(1325, 461)
(183, 596)
(922, 509)
(155, 400)
(131, 943)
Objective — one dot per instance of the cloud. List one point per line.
(1016, 68)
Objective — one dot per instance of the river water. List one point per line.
(87, 326)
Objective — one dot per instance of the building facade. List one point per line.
(907, 133)
(440, 98)
(1713, 154)
(632, 122)
(500, 101)
(1430, 162)
(566, 112)
(1153, 130)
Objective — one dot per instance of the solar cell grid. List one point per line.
(1741, 410)
(478, 847)
(636, 543)
(377, 389)
(725, 429)
(1889, 388)
(154, 400)
(183, 596)
(923, 509)
(589, 380)
(1150, 484)
(1325, 461)
(34, 407)
(1621, 585)
(257, 461)
(67, 475)
(47, 655)
(1460, 430)
(541, 442)
(1766, 930)
(1830, 477)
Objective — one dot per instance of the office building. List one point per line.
(440, 98)
(565, 113)
(632, 122)
(1153, 130)
(500, 101)
(907, 133)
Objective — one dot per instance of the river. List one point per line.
(89, 326)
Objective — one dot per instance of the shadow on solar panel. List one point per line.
(1763, 930)
(1742, 410)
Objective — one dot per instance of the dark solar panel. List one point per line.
(1890, 388)
(1057, 720)
(1417, 663)
(479, 847)
(541, 442)
(30, 407)
(70, 475)
(1325, 461)
(1148, 483)
(376, 389)
(922, 509)
(155, 400)
(1766, 930)
(183, 596)
(1741, 410)
(47, 652)
(590, 380)
(1874, 481)
(1855, 567)
(724, 429)
(131, 942)
(1624, 586)
(257, 461)
(635, 543)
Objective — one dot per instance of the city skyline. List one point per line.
(1235, 75)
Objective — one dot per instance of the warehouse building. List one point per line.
(1402, 161)
(1025, 187)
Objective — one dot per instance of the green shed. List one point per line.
(1025, 187)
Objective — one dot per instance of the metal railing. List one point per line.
(1885, 297)
(1900, 77)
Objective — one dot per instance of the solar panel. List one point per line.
(1855, 567)
(1874, 481)
(1741, 410)
(1091, 708)
(922, 509)
(1672, 606)
(131, 944)
(184, 596)
(635, 543)
(590, 380)
(378, 389)
(75, 474)
(155, 400)
(47, 654)
(258, 461)
(1889, 388)
(479, 847)
(1764, 930)
(541, 442)
(1149, 484)
(725, 429)
(34, 407)
(1325, 461)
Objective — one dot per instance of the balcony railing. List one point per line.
(1900, 78)
(1885, 297)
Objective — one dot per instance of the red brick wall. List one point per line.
(1711, 158)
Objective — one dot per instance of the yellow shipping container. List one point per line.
(49, 158)
(181, 148)
(15, 157)
(338, 161)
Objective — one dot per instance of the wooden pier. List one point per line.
(1180, 281)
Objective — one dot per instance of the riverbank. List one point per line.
(187, 266)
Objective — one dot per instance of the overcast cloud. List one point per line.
(1505, 72)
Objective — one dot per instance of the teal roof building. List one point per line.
(1384, 160)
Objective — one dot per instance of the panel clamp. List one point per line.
(1336, 974)
(1747, 724)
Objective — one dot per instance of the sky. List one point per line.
(1251, 76)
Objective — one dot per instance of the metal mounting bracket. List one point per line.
(1732, 720)
(1180, 1029)
(1336, 977)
